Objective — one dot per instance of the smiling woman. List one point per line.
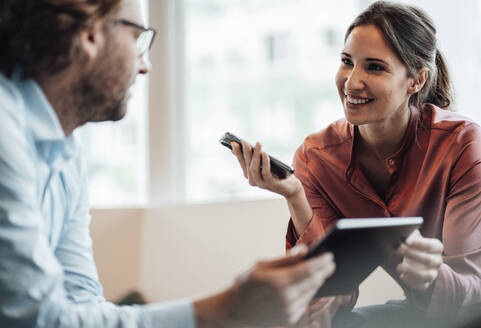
(398, 152)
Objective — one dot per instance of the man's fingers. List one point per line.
(313, 269)
(294, 255)
(308, 286)
(298, 306)
(324, 262)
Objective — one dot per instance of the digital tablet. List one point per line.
(360, 246)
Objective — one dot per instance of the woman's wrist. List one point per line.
(297, 192)
(300, 209)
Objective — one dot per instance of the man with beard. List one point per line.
(65, 63)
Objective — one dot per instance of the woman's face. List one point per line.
(372, 82)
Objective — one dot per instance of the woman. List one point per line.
(399, 152)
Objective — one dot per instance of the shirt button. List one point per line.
(390, 162)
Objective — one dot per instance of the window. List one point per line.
(116, 154)
(265, 70)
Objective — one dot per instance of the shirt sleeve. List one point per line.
(74, 249)
(457, 289)
(323, 213)
(32, 280)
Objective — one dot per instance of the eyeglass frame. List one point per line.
(144, 30)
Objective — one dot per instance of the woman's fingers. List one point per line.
(256, 168)
(255, 178)
(418, 279)
(236, 150)
(429, 245)
(422, 258)
(247, 153)
(266, 167)
(251, 161)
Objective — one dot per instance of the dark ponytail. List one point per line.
(412, 35)
(441, 93)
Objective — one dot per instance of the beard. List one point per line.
(101, 94)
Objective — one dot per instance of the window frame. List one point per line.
(166, 181)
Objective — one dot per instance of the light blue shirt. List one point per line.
(48, 276)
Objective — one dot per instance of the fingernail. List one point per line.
(400, 269)
(328, 256)
(298, 249)
(412, 237)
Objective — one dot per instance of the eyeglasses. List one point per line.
(145, 39)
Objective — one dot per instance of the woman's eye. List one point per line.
(376, 67)
(346, 61)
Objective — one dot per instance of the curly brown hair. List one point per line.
(39, 35)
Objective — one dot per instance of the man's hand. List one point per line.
(422, 258)
(272, 293)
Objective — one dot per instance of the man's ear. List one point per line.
(92, 40)
(418, 81)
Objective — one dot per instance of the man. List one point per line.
(64, 63)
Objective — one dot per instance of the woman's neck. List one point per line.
(385, 138)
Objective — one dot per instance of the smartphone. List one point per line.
(278, 168)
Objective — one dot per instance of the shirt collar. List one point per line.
(45, 125)
(393, 160)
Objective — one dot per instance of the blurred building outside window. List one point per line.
(265, 71)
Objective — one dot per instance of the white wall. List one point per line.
(116, 242)
(194, 249)
(181, 251)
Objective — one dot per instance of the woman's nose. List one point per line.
(355, 79)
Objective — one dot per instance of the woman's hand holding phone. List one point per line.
(255, 165)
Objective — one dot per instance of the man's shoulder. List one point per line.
(12, 107)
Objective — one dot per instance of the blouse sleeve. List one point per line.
(457, 290)
(323, 213)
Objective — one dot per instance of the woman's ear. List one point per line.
(418, 81)
(92, 40)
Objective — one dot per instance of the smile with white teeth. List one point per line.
(357, 101)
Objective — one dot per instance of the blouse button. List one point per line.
(390, 162)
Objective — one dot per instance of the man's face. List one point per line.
(104, 88)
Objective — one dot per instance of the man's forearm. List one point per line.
(216, 311)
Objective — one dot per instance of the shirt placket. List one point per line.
(359, 183)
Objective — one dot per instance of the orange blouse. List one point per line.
(435, 174)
